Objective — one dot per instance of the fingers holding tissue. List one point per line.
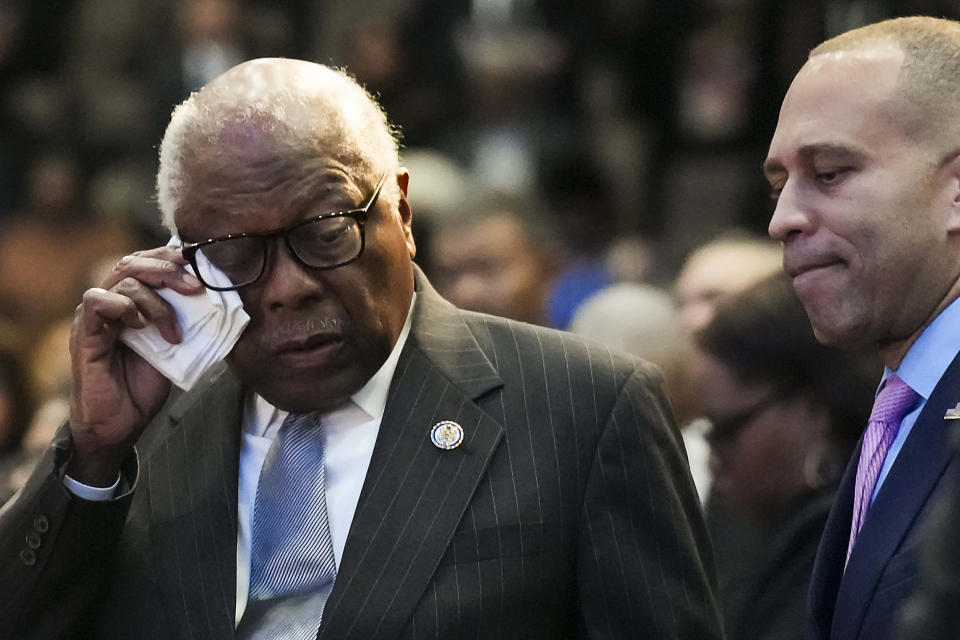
(211, 324)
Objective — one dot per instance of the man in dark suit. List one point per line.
(865, 165)
(933, 611)
(483, 478)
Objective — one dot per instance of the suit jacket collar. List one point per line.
(415, 494)
(440, 333)
(838, 598)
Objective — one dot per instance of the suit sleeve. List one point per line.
(645, 567)
(55, 549)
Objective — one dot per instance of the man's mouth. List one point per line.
(804, 271)
(308, 350)
(807, 267)
(306, 342)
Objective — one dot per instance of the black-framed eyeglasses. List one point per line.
(724, 430)
(327, 241)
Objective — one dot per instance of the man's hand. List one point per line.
(116, 392)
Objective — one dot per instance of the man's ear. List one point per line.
(953, 180)
(406, 215)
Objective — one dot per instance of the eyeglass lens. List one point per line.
(726, 429)
(323, 243)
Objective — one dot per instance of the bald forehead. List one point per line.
(876, 63)
(835, 95)
(883, 52)
(870, 71)
(917, 71)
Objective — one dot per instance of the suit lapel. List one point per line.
(828, 566)
(912, 478)
(191, 473)
(415, 494)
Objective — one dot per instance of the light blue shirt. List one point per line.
(922, 367)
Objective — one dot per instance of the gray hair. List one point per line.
(303, 107)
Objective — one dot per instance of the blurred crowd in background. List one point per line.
(592, 166)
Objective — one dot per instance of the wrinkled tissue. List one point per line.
(211, 323)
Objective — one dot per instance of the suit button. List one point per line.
(33, 540)
(41, 524)
(28, 557)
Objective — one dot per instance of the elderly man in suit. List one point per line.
(373, 462)
(865, 166)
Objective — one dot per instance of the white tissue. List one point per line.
(211, 323)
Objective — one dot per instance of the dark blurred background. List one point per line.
(617, 135)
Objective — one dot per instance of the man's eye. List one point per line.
(330, 236)
(830, 177)
(775, 190)
(333, 231)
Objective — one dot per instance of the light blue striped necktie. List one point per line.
(292, 566)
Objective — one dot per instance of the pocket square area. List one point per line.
(495, 542)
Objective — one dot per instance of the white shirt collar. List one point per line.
(263, 419)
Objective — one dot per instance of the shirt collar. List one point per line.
(372, 397)
(928, 358)
(368, 403)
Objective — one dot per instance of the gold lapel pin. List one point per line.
(953, 414)
(446, 435)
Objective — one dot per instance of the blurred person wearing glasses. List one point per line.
(373, 462)
(785, 413)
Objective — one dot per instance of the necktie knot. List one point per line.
(894, 401)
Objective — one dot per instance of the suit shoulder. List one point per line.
(578, 355)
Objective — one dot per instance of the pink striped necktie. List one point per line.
(895, 400)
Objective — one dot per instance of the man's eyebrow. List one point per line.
(813, 151)
(312, 186)
(772, 166)
(830, 149)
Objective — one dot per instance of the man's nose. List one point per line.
(790, 216)
(286, 282)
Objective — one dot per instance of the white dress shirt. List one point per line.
(351, 432)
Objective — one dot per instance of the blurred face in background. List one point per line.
(760, 440)
(54, 187)
(490, 266)
(718, 271)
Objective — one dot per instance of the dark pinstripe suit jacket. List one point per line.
(567, 512)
